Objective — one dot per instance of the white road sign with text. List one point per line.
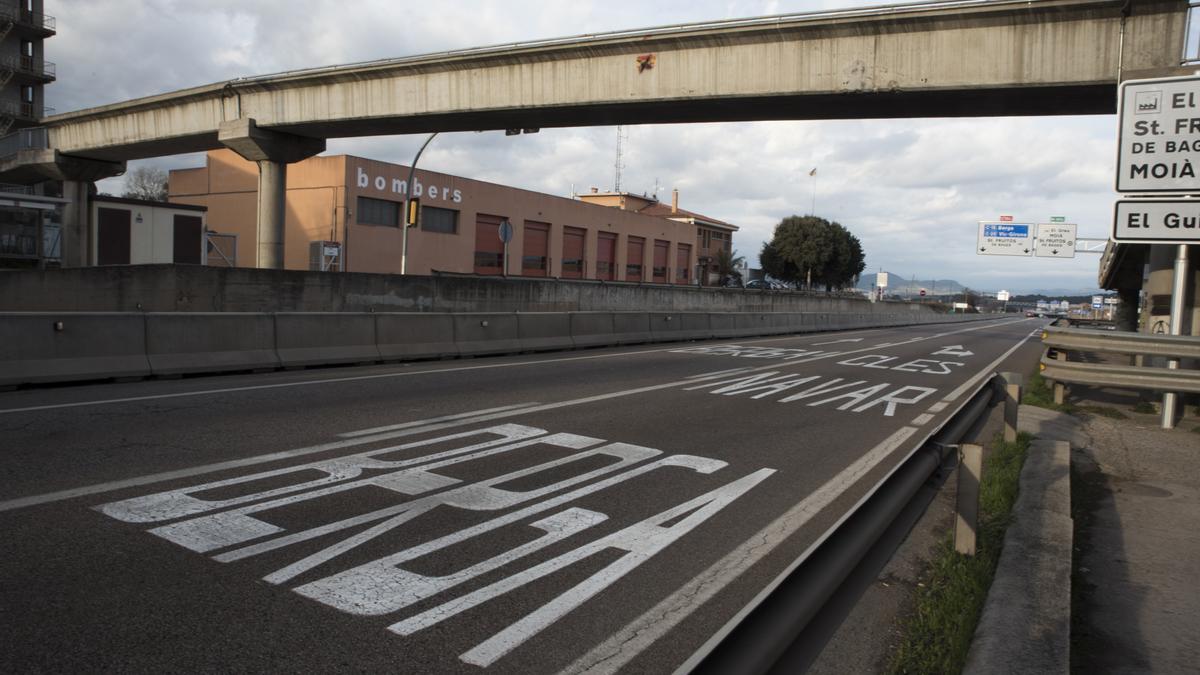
(1159, 142)
(1055, 240)
(1003, 238)
(1156, 221)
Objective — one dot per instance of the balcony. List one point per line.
(29, 23)
(30, 68)
(25, 112)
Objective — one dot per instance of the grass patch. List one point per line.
(938, 634)
(1145, 408)
(1104, 411)
(1039, 393)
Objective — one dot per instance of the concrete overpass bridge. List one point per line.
(942, 59)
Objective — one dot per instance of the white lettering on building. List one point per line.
(400, 187)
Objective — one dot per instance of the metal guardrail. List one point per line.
(1119, 342)
(1171, 380)
(1129, 377)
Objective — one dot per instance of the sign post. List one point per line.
(506, 234)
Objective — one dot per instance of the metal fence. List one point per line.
(1060, 341)
(33, 138)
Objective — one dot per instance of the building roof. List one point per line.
(653, 207)
(664, 211)
(109, 199)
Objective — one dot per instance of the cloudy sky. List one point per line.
(911, 190)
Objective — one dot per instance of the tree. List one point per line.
(146, 182)
(728, 264)
(808, 249)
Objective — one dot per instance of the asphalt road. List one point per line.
(583, 511)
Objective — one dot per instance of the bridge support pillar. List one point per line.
(77, 175)
(272, 151)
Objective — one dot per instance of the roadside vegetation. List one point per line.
(1039, 393)
(937, 636)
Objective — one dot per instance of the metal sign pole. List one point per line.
(1178, 290)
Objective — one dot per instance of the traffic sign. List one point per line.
(506, 231)
(1002, 238)
(1156, 221)
(1055, 240)
(1158, 147)
(1058, 219)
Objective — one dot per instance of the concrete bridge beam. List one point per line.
(272, 151)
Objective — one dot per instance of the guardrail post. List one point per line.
(1012, 402)
(970, 467)
(1060, 390)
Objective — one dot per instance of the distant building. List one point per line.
(712, 235)
(344, 213)
(24, 69)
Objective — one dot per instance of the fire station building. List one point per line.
(344, 213)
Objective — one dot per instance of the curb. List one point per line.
(1026, 621)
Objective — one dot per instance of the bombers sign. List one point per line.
(400, 187)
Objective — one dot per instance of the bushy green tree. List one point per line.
(809, 249)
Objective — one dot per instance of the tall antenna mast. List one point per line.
(617, 166)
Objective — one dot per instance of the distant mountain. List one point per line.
(899, 284)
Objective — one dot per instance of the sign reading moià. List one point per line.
(1158, 147)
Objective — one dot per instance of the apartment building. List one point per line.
(24, 70)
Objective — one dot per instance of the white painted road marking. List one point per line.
(834, 342)
(625, 644)
(382, 587)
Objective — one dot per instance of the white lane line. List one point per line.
(921, 420)
(424, 427)
(939, 406)
(356, 378)
(618, 650)
(444, 418)
(986, 372)
(477, 417)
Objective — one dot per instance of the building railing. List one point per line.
(30, 65)
(27, 18)
(1060, 340)
(30, 112)
(33, 138)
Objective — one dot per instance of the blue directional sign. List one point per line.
(1004, 238)
(1005, 230)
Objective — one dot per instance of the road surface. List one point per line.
(585, 511)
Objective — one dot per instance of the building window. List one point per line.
(659, 271)
(489, 250)
(434, 219)
(378, 212)
(634, 254)
(535, 258)
(573, 253)
(683, 264)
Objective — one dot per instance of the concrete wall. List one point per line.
(184, 288)
(40, 347)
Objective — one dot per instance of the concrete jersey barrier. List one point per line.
(37, 347)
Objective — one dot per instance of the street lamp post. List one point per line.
(407, 198)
